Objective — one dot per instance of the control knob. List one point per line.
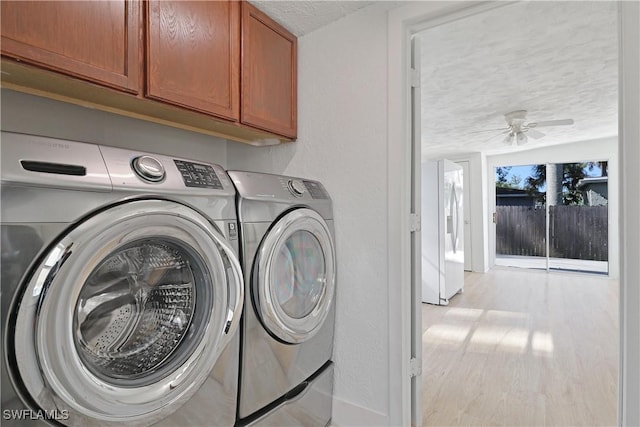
(296, 187)
(148, 168)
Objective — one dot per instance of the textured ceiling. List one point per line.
(555, 59)
(303, 16)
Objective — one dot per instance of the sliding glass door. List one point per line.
(553, 216)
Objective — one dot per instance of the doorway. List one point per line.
(454, 147)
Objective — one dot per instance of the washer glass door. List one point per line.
(124, 318)
(296, 276)
(134, 312)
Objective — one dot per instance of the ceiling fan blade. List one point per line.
(491, 130)
(551, 123)
(496, 136)
(535, 134)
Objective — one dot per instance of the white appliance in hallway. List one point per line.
(442, 231)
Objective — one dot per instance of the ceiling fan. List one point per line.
(518, 128)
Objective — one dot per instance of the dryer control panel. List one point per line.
(316, 190)
(269, 187)
(262, 195)
(299, 187)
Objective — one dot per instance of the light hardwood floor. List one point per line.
(522, 347)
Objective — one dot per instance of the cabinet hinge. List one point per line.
(415, 78)
(415, 367)
(414, 222)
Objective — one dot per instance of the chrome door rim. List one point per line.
(47, 359)
(274, 318)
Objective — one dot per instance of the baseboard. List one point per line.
(347, 414)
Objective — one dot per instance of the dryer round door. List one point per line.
(295, 280)
(126, 315)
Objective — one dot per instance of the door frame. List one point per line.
(402, 23)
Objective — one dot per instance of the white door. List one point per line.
(126, 315)
(295, 272)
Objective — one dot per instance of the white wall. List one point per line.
(582, 151)
(342, 142)
(40, 116)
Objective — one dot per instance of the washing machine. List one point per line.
(121, 287)
(288, 259)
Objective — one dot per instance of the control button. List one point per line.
(296, 187)
(233, 231)
(148, 168)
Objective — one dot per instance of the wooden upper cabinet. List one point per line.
(269, 74)
(219, 66)
(97, 41)
(193, 55)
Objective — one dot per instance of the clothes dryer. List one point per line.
(121, 287)
(288, 258)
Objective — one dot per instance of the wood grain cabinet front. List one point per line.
(269, 74)
(193, 55)
(220, 67)
(98, 41)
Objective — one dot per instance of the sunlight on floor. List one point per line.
(464, 313)
(515, 341)
(493, 315)
(489, 338)
(522, 348)
(451, 335)
(542, 344)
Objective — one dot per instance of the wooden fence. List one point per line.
(576, 232)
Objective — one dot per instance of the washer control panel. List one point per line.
(198, 175)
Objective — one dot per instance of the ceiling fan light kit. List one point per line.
(508, 139)
(521, 138)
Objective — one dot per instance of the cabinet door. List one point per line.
(97, 41)
(269, 74)
(193, 55)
